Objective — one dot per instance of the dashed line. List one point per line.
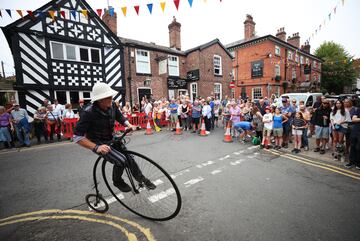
(205, 164)
(108, 200)
(161, 195)
(237, 162)
(251, 157)
(252, 147)
(223, 158)
(175, 175)
(215, 172)
(193, 181)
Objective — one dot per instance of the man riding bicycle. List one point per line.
(95, 129)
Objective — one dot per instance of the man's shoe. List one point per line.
(349, 165)
(322, 151)
(306, 148)
(149, 184)
(123, 186)
(317, 149)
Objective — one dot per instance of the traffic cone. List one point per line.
(227, 136)
(178, 129)
(202, 130)
(148, 129)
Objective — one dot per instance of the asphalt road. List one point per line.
(230, 191)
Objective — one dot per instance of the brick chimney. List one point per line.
(249, 27)
(306, 47)
(281, 34)
(294, 40)
(110, 21)
(174, 34)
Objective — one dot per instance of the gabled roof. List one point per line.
(150, 46)
(243, 43)
(206, 45)
(53, 4)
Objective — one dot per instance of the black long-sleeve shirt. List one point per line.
(98, 125)
(319, 116)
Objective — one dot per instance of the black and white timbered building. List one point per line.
(62, 58)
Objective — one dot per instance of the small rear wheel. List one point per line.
(97, 203)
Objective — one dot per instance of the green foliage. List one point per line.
(338, 70)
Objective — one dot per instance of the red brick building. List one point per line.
(270, 65)
(169, 71)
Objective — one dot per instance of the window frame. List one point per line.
(253, 92)
(290, 55)
(138, 60)
(220, 90)
(171, 66)
(77, 52)
(279, 50)
(277, 67)
(219, 67)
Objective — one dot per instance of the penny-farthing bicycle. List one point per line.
(161, 204)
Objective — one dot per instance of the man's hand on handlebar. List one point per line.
(103, 149)
(132, 127)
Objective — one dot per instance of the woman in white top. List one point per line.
(339, 118)
(68, 112)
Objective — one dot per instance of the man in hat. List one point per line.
(95, 129)
(21, 124)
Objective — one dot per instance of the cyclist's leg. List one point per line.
(117, 159)
(119, 168)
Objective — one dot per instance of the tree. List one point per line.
(338, 70)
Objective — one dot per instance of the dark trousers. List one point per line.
(207, 123)
(40, 130)
(304, 138)
(118, 159)
(354, 155)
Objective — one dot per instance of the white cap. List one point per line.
(101, 91)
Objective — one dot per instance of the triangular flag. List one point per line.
(31, 14)
(150, 6)
(329, 16)
(41, 14)
(190, 2)
(85, 13)
(20, 12)
(137, 8)
(62, 13)
(162, 4)
(176, 2)
(73, 13)
(9, 12)
(99, 12)
(319, 27)
(123, 9)
(0, 13)
(111, 12)
(335, 10)
(52, 14)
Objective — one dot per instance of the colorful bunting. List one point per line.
(85, 13)
(62, 13)
(150, 7)
(176, 2)
(73, 13)
(52, 14)
(111, 12)
(99, 12)
(9, 12)
(41, 15)
(190, 2)
(123, 9)
(31, 14)
(162, 4)
(20, 12)
(137, 8)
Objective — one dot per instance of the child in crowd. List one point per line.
(216, 114)
(279, 119)
(298, 127)
(268, 126)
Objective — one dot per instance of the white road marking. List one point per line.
(215, 172)
(158, 182)
(193, 181)
(252, 147)
(237, 162)
(236, 153)
(251, 157)
(223, 158)
(256, 153)
(175, 175)
(161, 195)
(241, 151)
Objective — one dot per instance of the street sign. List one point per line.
(232, 85)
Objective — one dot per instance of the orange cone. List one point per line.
(148, 129)
(227, 136)
(178, 129)
(202, 130)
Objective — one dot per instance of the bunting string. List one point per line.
(74, 13)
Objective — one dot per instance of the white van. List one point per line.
(308, 98)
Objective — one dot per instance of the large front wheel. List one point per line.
(161, 204)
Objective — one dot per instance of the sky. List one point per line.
(210, 19)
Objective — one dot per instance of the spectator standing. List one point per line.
(352, 110)
(287, 111)
(156, 115)
(68, 112)
(298, 126)
(126, 110)
(257, 120)
(268, 126)
(212, 105)
(304, 139)
(173, 107)
(322, 122)
(339, 118)
(81, 107)
(196, 114)
(226, 115)
(6, 127)
(261, 106)
(354, 155)
(184, 116)
(279, 119)
(57, 107)
(206, 114)
(40, 124)
(235, 112)
(147, 108)
(21, 124)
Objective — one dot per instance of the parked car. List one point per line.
(308, 98)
